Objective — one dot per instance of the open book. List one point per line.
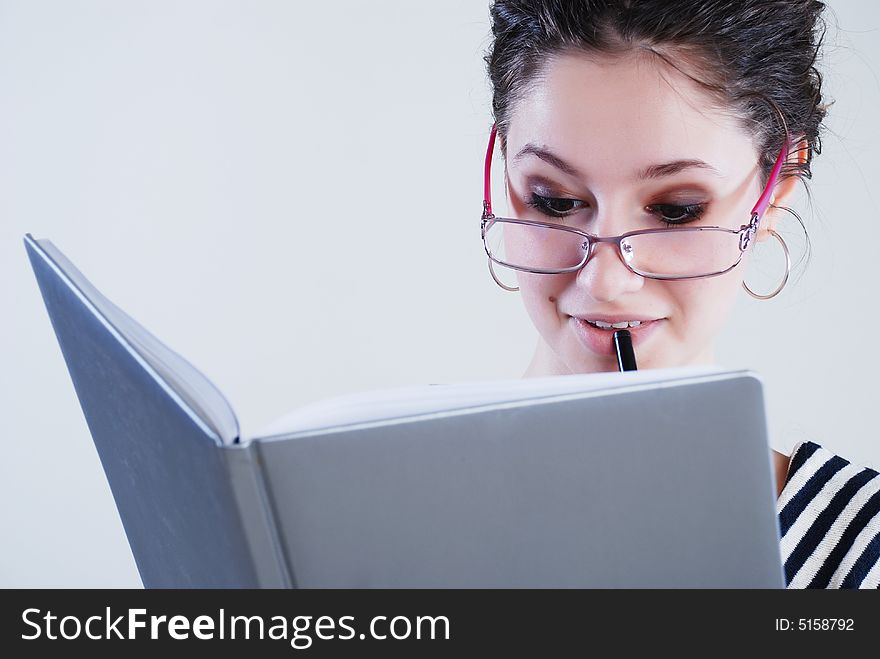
(462, 484)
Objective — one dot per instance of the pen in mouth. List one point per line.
(626, 357)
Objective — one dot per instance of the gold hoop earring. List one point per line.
(512, 289)
(784, 279)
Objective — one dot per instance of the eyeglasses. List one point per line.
(671, 253)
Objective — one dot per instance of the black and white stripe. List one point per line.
(829, 521)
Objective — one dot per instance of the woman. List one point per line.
(617, 118)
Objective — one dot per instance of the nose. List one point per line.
(605, 277)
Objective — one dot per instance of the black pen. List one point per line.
(626, 357)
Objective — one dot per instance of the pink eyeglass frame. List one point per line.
(746, 231)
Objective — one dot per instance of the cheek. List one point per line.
(540, 294)
(706, 303)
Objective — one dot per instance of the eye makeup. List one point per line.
(671, 214)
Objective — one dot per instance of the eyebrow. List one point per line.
(650, 172)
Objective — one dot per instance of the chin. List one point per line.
(581, 362)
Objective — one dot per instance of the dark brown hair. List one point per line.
(756, 57)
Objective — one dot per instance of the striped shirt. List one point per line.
(829, 521)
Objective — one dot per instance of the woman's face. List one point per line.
(644, 145)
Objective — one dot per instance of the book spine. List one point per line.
(257, 516)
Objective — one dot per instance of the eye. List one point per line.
(674, 214)
(552, 206)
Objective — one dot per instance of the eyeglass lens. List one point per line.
(675, 253)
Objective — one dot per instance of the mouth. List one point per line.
(597, 336)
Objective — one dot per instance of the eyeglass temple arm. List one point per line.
(487, 187)
(764, 199)
(758, 210)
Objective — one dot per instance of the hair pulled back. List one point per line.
(755, 57)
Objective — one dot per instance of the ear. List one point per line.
(783, 191)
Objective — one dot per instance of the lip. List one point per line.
(601, 341)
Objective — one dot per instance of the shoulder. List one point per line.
(829, 521)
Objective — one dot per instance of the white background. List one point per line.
(288, 194)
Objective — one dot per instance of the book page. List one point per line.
(403, 402)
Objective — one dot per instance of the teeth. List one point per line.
(621, 325)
